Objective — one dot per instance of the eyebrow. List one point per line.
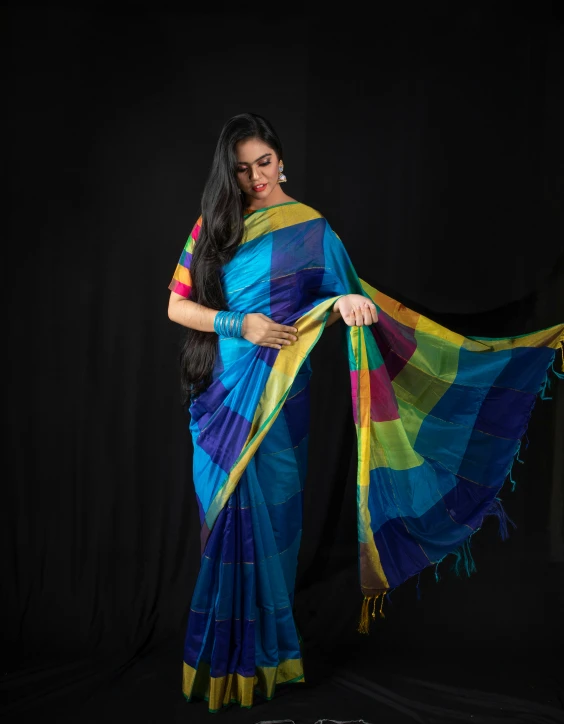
(256, 159)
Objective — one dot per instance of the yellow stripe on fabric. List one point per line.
(279, 217)
(415, 387)
(391, 447)
(287, 364)
(267, 677)
(183, 275)
(412, 419)
(233, 687)
(394, 309)
(196, 682)
(552, 337)
(363, 398)
(436, 357)
(371, 567)
(429, 372)
(221, 690)
(433, 329)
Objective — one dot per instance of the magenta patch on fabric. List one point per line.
(396, 342)
(180, 288)
(354, 394)
(196, 232)
(383, 403)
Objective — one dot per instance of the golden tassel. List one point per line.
(364, 622)
(382, 605)
(365, 614)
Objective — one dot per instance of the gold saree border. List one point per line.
(219, 691)
(282, 216)
(551, 337)
(372, 576)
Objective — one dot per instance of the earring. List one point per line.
(281, 177)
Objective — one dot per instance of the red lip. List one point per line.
(259, 187)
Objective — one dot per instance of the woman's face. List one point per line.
(257, 170)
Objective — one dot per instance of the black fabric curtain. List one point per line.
(431, 138)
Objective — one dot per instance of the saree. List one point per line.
(439, 419)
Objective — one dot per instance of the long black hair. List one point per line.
(221, 233)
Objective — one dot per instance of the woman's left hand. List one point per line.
(356, 310)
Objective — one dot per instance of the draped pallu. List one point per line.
(439, 419)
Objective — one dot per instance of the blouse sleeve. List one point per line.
(181, 282)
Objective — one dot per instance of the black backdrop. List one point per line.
(431, 140)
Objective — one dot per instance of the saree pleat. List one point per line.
(241, 635)
(439, 420)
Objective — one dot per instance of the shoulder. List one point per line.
(309, 210)
(301, 212)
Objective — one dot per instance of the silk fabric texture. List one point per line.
(439, 419)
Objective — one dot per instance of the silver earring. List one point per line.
(281, 177)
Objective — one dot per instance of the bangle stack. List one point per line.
(229, 324)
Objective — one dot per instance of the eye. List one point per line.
(265, 163)
(241, 170)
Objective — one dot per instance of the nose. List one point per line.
(254, 173)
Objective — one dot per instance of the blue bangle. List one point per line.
(229, 324)
(239, 324)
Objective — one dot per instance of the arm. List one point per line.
(257, 328)
(190, 314)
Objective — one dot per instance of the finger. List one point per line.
(273, 346)
(282, 328)
(349, 318)
(285, 335)
(358, 316)
(278, 341)
(374, 314)
(367, 314)
(279, 333)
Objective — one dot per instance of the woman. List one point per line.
(259, 279)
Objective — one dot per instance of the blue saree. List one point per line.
(439, 419)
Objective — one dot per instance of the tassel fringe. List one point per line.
(464, 563)
(365, 614)
(516, 458)
(498, 510)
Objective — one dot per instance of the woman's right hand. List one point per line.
(260, 330)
